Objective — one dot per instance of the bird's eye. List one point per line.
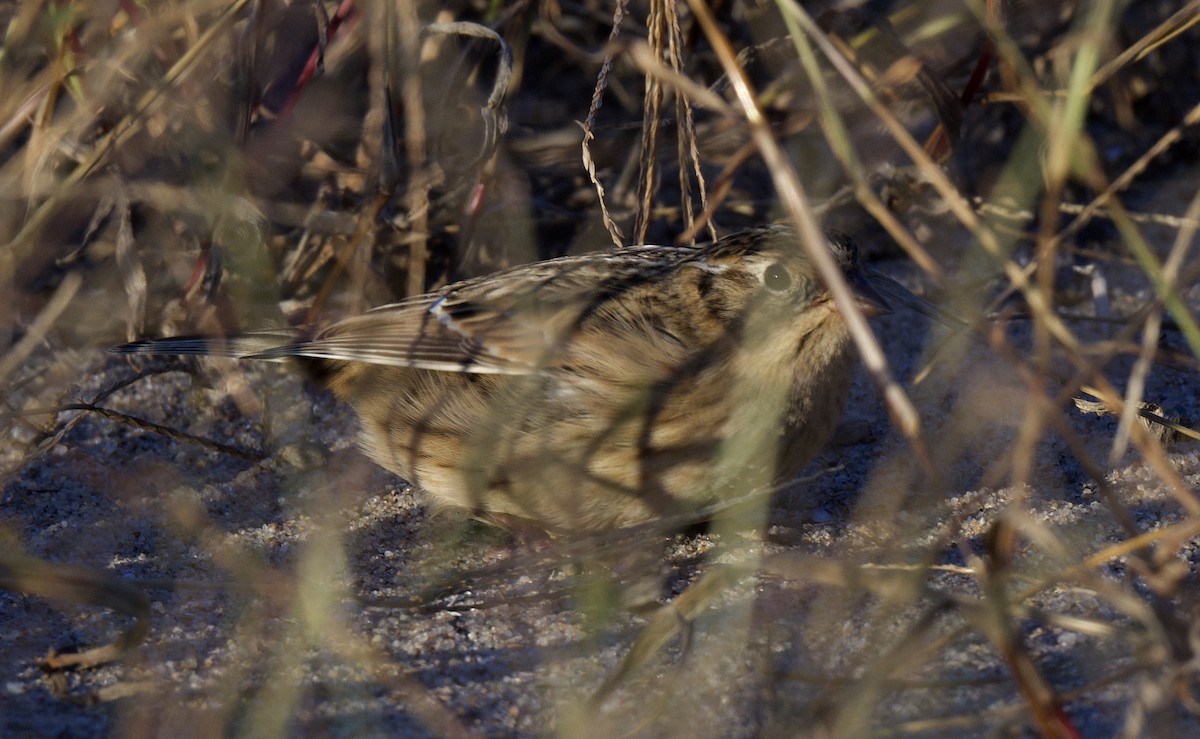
(776, 277)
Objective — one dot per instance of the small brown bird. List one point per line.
(597, 391)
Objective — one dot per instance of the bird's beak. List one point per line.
(870, 300)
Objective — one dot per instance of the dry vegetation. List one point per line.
(993, 562)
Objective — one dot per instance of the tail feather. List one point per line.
(245, 345)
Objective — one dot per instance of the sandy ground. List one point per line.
(296, 590)
(256, 569)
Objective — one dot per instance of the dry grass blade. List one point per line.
(1181, 21)
(957, 204)
(667, 623)
(589, 124)
(658, 22)
(76, 584)
(1035, 295)
(1086, 166)
(1150, 337)
(17, 250)
(791, 193)
(400, 56)
(36, 333)
(166, 162)
(168, 431)
(1149, 413)
(995, 619)
(838, 137)
(493, 112)
(131, 268)
(1096, 206)
(1078, 156)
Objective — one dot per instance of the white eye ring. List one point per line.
(776, 277)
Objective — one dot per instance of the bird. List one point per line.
(593, 392)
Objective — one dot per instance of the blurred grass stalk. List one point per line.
(1064, 151)
(1053, 151)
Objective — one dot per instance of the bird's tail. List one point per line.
(241, 346)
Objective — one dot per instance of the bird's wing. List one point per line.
(512, 322)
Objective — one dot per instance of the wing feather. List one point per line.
(512, 322)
